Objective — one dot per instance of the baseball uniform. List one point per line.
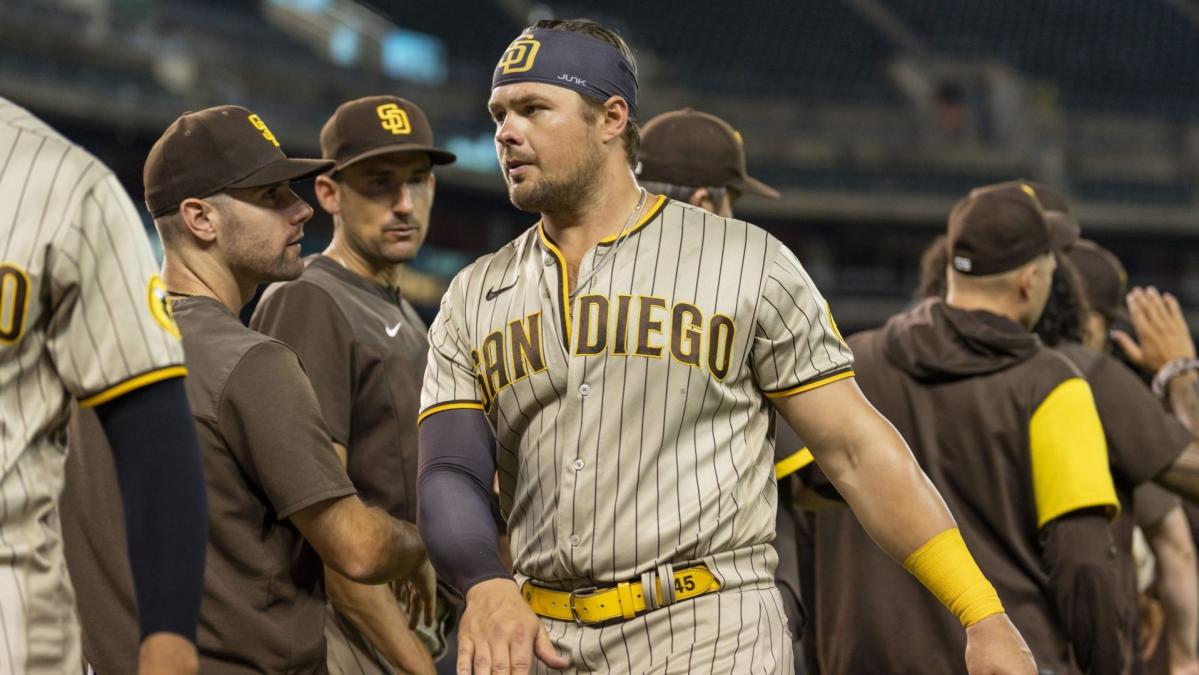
(267, 455)
(362, 345)
(83, 316)
(632, 421)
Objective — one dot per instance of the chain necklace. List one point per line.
(624, 234)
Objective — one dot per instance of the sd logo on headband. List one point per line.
(393, 118)
(520, 55)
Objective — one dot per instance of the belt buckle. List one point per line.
(570, 602)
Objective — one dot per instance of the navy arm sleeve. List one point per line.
(457, 463)
(157, 458)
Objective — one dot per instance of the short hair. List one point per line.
(171, 228)
(681, 193)
(594, 29)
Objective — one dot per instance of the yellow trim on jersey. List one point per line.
(642, 222)
(454, 405)
(1070, 469)
(792, 463)
(132, 384)
(564, 273)
(810, 385)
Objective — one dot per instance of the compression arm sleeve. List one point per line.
(457, 464)
(157, 458)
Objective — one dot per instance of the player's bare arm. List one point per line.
(872, 467)
(362, 543)
(1178, 587)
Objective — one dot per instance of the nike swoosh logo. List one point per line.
(495, 292)
(392, 331)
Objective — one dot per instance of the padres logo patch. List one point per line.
(394, 118)
(261, 126)
(160, 306)
(520, 55)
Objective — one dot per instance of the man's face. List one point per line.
(1038, 289)
(548, 144)
(384, 204)
(260, 231)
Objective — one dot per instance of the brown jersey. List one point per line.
(1008, 432)
(267, 454)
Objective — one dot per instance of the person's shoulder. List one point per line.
(51, 148)
(1047, 370)
(475, 275)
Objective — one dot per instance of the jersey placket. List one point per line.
(573, 526)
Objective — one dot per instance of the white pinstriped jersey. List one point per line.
(83, 315)
(632, 422)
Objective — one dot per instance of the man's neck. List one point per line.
(975, 302)
(341, 252)
(605, 214)
(185, 275)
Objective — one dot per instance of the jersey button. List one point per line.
(578, 465)
(574, 540)
(584, 389)
(549, 261)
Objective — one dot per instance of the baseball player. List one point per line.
(364, 345)
(218, 187)
(698, 158)
(83, 318)
(616, 362)
(1141, 438)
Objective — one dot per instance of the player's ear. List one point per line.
(615, 118)
(327, 194)
(198, 216)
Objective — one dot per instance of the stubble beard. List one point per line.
(564, 194)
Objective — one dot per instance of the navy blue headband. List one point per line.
(572, 60)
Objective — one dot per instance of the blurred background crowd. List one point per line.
(870, 116)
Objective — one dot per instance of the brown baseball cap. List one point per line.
(693, 148)
(1103, 279)
(1061, 222)
(204, 152)
(378, 125)
(1000, 227)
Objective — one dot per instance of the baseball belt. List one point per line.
(625, 600)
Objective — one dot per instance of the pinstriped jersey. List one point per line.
(83, 315)
(631, 414)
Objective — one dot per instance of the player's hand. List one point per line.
(167, 654)
(500, 634)
(1161, 328)
(417, 594)
(1153, 622)
(994, 647)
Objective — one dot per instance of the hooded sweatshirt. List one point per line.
(1007, 431)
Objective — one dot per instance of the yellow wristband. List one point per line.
(944, 565)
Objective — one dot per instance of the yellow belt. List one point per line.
(623, 601)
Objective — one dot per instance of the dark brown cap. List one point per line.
(1062, 224)
(1000, 227)
(204, 152)
(378, 125)
(1103, 279)
(692, 148)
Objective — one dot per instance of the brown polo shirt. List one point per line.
(267, 454)
(1007, 431)
(364, 348)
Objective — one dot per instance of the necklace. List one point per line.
(624, 233)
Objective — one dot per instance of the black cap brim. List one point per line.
(436, 155)
(283, 170)
(752, 186)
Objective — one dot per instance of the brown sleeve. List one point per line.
(1143, 439)
(306, 318)
(272, 424)
(1151, 503)
(1084, 582)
